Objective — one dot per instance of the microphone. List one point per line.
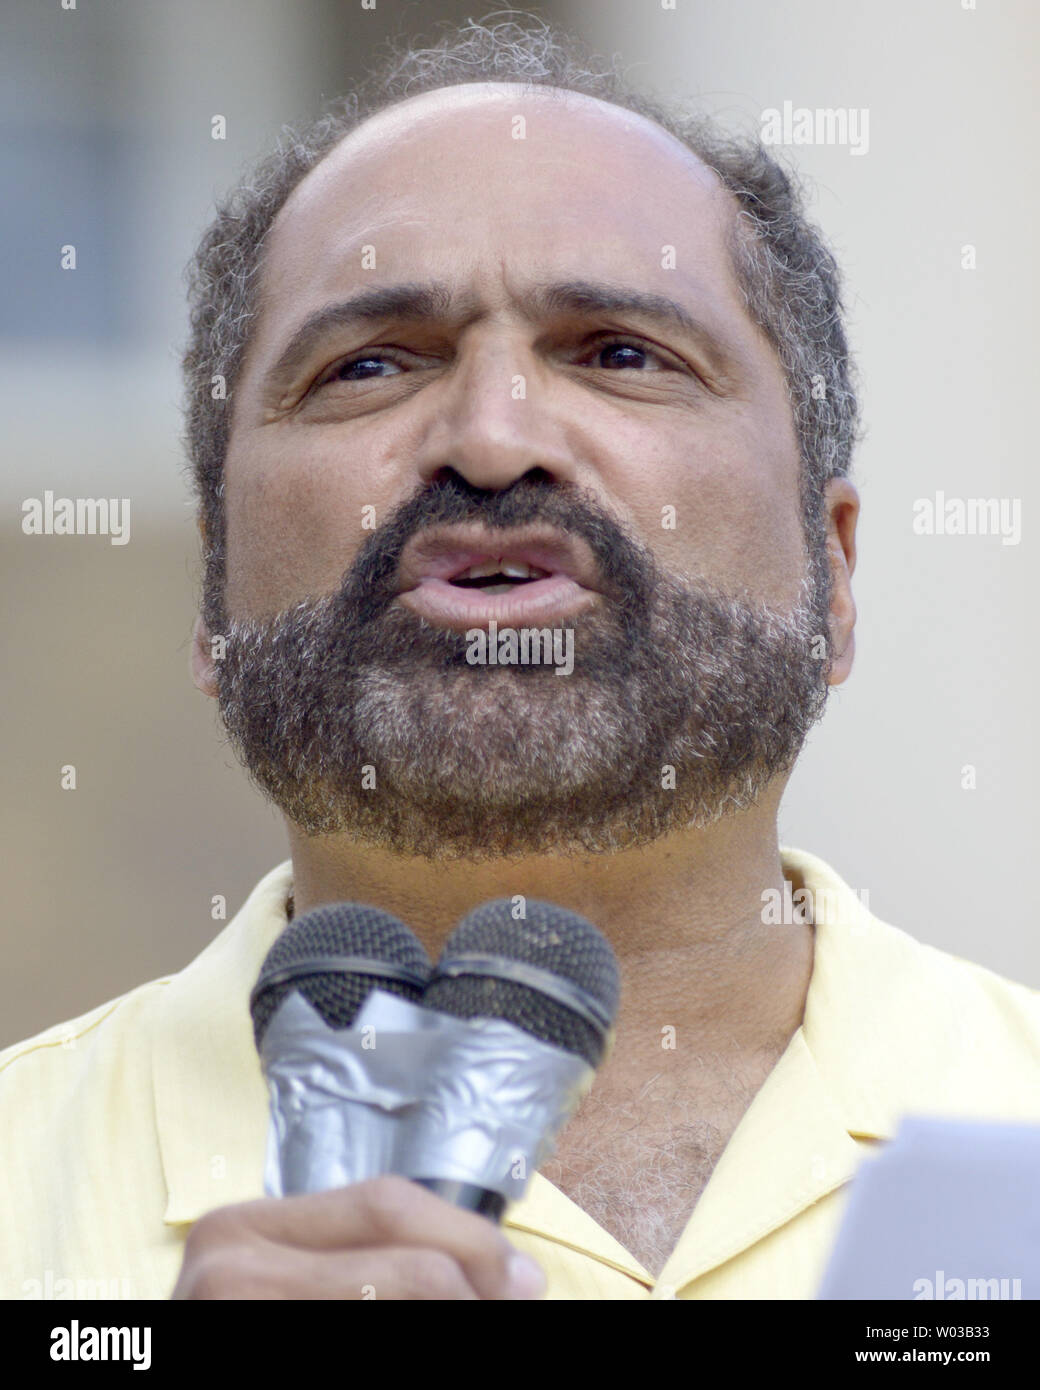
(540, 997)
(314, 981)
(476, 1070)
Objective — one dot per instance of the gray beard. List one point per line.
(357, 718)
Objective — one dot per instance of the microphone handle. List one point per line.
(467, 1196)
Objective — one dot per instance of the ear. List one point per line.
(841, 501)
(203, 670)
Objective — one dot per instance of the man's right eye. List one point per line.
(351, 368)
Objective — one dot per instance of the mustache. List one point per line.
(627, 568)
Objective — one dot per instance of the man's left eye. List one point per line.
(629, 354)
(358, 368)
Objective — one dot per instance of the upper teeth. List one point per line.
(512, 569)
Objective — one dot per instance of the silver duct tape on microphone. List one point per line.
(335, 1099)
(410, 1091)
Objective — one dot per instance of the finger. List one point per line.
(388, 1211)
(259, 1270)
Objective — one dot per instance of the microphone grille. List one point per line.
(550, 939)
(340, 929)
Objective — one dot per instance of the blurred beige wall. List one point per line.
(111, 884)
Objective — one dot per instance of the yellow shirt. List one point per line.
(119, 1129)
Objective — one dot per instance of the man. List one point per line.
(511, 346)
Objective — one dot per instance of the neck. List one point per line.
(684, 916)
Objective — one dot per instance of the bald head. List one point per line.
(468, 113)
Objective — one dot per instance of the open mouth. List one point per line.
(498, 576)
(463, 576)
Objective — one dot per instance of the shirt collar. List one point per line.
(896, 1026)
(891, 1027)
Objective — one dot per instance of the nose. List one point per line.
(494, 418)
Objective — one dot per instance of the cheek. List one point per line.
(292, 529)
(720, 502)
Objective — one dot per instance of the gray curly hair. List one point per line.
(788, 276)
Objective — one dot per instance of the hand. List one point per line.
(386, 1238)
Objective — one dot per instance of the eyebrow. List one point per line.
(427, 303)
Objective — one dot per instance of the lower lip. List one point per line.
(540, 601)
